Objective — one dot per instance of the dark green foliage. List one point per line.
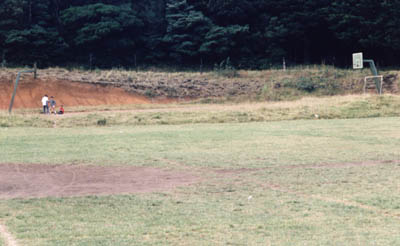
(185, 30)
(187, 33)
(35, 44)
(100, 29)
(305, 84)
(298, 30)
(102, 122)
(28, 32)
(221, 42)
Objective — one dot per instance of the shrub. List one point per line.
(102, 122)
(305, 84)
(325, 84)
(150, 93)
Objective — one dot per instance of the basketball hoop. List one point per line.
(358, 62)
(374, 78)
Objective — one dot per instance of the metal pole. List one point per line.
(15, 91)
(34, 71)
(15, 88)
(375, 73)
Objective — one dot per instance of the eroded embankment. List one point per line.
(30, 92)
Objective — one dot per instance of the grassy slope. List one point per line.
(342, 205)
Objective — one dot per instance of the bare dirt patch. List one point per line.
(67, 93)
(36, 181)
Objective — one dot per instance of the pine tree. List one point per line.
(223, 42)
(186, 29)
(28, 33)
(105, 31)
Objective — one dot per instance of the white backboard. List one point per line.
(358, 61)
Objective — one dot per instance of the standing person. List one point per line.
(53, 105)
(45, 100)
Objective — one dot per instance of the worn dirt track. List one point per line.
(68, 93)
(36, 181)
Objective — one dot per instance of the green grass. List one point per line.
(207, 215)
(217, 145)
(302, 192)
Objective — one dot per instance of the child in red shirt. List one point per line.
(61, 111)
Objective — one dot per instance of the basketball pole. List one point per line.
(34, 71)
(375, 73)
(358, 63)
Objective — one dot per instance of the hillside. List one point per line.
(116, 87)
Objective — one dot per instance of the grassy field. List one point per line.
(303, 182)
(211, 145)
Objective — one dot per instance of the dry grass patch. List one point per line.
(337, 107)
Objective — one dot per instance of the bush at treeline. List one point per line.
(188, 33)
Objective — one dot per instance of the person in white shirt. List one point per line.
(45, 103)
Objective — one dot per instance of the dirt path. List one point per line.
(158, 106)
(35, 181)
(8, 238)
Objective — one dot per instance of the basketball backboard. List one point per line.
(358, 61)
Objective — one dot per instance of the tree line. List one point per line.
(186, 33)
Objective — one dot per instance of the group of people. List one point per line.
(49, 106)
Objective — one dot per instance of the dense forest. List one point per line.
(191, 33)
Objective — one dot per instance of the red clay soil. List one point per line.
(36, 181)
(30, 92)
